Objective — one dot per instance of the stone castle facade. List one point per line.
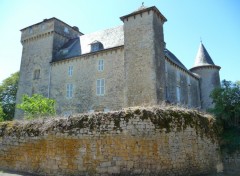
(124, 66)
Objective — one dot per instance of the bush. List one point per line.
(37, 106)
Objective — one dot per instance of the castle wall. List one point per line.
(188, 85)
(85, 75)
(133, 142)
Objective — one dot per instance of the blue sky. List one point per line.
(217, 22)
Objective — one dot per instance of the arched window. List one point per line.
(36, 74)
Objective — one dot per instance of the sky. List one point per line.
(215, 22)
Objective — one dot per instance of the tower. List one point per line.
(40, 43)
(144, 62)
(209, 73)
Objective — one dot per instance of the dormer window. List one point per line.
(96, 46)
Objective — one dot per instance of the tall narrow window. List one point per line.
(178, 76)
(178, 94)
(100, 65)
(66, 30)
(36, 74)
(166, 93)
(189, 90)
(100, 87)
(70, 70)
(69, 90)
(30, 30)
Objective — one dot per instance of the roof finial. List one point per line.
(201, 39)
(142, 3)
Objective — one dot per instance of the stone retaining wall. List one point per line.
(150, 141)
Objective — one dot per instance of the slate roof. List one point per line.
(110, 38)
(202, 58)
(174, 59)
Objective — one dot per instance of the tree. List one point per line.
(227, 103)
(8, 92)
(1, 114)
(37, 106)
(227, 112)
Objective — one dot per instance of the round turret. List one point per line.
(209, 75)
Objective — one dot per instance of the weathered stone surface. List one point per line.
(146, 141)
(137, 71)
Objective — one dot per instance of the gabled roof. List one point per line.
(202, 58)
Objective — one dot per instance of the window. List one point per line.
(100, 87)
(178, 94)
(30, 30)
(36, 74)
(178, 76)
(188, 80)
(42, 26)
(66, 30)
(96, 46)
(100, 65)
(69, 90)
(166, 93)
(70, 70)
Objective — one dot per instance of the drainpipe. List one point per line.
(49, 80)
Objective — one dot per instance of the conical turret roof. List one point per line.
(202, 58)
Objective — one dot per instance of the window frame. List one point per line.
(100, 87)
(178, 94)
(100, 65)
(70, 70)
(69, 90)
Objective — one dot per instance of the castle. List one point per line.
(124, 66)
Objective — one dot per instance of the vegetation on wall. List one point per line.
(163, 120)
(8, 92)
(37, 106)
(226, 101)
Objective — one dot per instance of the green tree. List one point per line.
(227, 103)
(1, 114)
(227, 112)
(37, 106)
(8, 92)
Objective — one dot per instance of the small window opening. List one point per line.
(36, 74)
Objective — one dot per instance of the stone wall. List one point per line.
(40, 41)
(210, 79)
(139, 60)
(189, 94)
(84, 77)
(150, 141)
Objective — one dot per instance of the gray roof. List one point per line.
(174, 59)
(110, 38)
(202, 58)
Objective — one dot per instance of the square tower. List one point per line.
(40, 43)
(144, 57)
